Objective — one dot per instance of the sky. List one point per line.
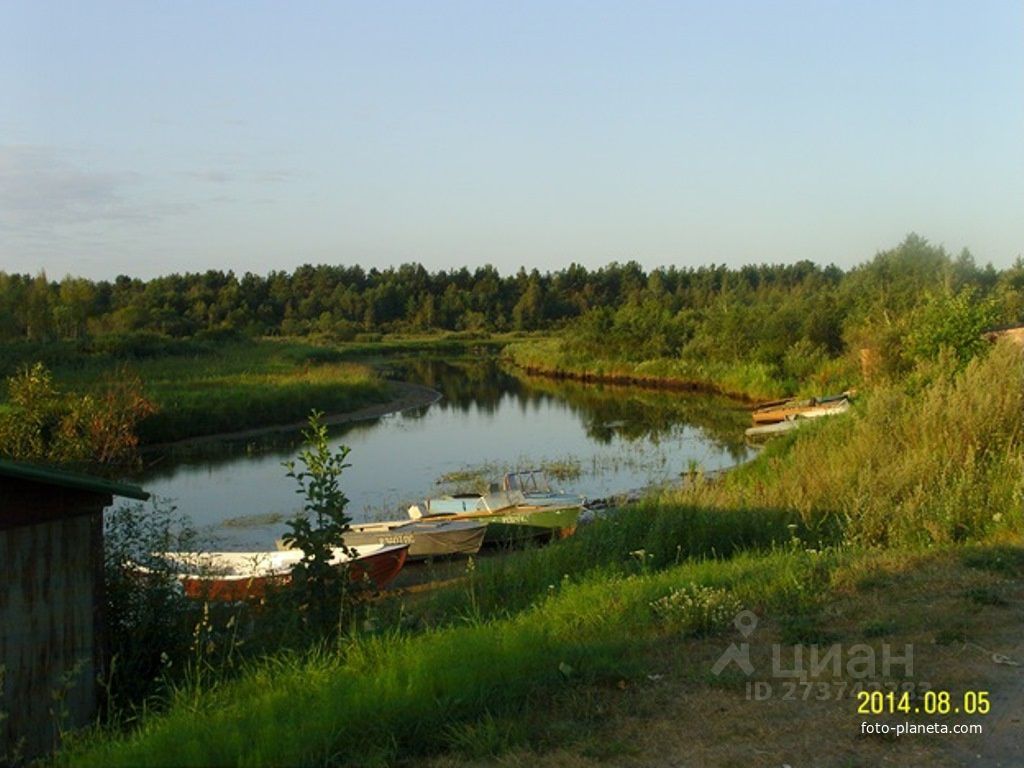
(146, 138)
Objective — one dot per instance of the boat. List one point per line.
(784, 410)
(798, 419)
(228, 576)
(508, 515)
(767, 430)
(536, 490)
(467, 503)
(425, 538)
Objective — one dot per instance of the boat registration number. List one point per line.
(407, 538)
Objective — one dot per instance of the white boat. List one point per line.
(241, 575)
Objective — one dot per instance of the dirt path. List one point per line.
(995, 662)
(406, 397)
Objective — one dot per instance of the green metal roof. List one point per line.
(65, 479)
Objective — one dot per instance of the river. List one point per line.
(599, 441)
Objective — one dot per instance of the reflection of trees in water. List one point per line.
(636, 413)
(480, 384)
(215, 453)
(608, 411)
(466, 384)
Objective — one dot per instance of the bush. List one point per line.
(321, 588)
(950, 321)
(43, 423)
(148, 620)
(697, 610)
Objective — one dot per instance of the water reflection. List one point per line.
(620, 437)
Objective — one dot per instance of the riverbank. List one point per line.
(404, 395)
(904, 530)
(235, 387)
(548, 357)
(957, 610)
(207, 387)
(606, 667)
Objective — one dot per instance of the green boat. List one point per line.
(509, 516)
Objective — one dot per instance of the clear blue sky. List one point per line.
(145, 138)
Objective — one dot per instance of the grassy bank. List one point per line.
(900, 521)
(213, 386)
(954, 606)
(934, 460)
(553, 357)
(590, 665)
(384, 697)
(209, 385)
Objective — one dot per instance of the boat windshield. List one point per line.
(530, 481)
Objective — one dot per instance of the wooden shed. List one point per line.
(51, 602)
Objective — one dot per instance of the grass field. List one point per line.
(203, 388)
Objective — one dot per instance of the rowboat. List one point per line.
(767, 430)
(226, 576)
(798, 419)
(508, 515)
(784, 410)
(425, 538)
(536, 490)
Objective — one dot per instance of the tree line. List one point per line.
(621, 309)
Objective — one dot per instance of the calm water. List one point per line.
(616, 438)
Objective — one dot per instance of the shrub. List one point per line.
(952, 321)
(697, 610)
(319, 529)
(43, 423)
(148, 620)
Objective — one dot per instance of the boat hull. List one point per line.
(377, 568)
(786, 410)
(521, 523)
(425, 539)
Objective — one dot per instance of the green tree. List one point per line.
(74, 304)
(319, 529)
(528, 312)
(953, 321)
(39, 309)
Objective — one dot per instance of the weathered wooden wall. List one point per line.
(50, 602)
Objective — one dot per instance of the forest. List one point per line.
(789, 321)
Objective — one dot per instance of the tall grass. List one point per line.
(207, 387)
(209, 400)
(644, 538)
(384, 696)
(937, 459)
(554, 357)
